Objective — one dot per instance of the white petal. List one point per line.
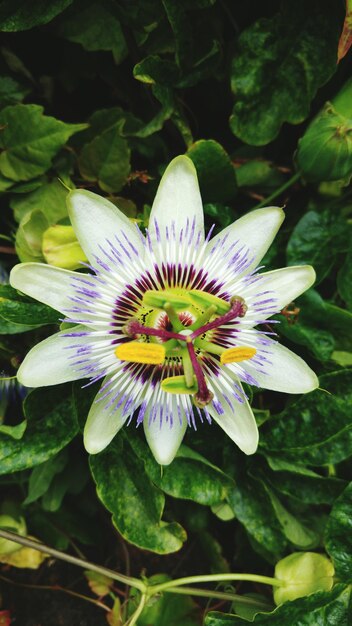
(177, 200)
(239, 424)
(163, 439)
(256, 230)
(284, 371)
(103, 423)
(50, 285)
(96, 220)
(288, 283)
(49, 362)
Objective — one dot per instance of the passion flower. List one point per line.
(167, 322)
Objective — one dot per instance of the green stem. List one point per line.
(291, 181)
(30, 543)
(221, 595)
(133, 620)
(215, 578)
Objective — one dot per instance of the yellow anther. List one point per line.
(135, 352)
(235, 355)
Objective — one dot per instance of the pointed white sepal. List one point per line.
(96, 220)
(177, 200)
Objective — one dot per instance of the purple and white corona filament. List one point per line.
(167, 322)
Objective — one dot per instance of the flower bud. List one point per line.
(61, 248)
(15, 525)
(302, 573)
(29, 236)
(325, 151)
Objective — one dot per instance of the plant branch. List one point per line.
(291, 181)
(222, 595)
(215, 578)
(133, 619)
(30, 543)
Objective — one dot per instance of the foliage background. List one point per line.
(102, 95)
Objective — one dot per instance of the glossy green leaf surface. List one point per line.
(46, 433)
(338, 535)
(135, 503)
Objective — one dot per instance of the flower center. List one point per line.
(183, 335)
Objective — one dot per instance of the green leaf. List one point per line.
(339, 322)
(100, 120)
(280, 64)
(42, 476)
(135, 503)
(9, 328)
(30, 140)
(297, 533)
(244, 606)
(155, 70)
(15, 64)
(220, 213)
(190, 476)
(319, 342)
(170, 610)
(99, 583)
(316, 429)
(338, 539)
(195, 40)
(319, 609)
(342, 358)
(20, 15)
(5, 183)
(316, 240)
(309, 489)
(344, 280)
(48, 431)
(253, 508)
(282, 465)
(168, 105)
(259, 173)
(314, 311)
(216, 173)
(16, 309)
(94, 27)
(49, 198)
(11, 91)
(106, 159)
(16, 432)
(53, 497)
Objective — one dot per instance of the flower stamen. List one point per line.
(136, 352)
(235, 355)
(188, 339)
